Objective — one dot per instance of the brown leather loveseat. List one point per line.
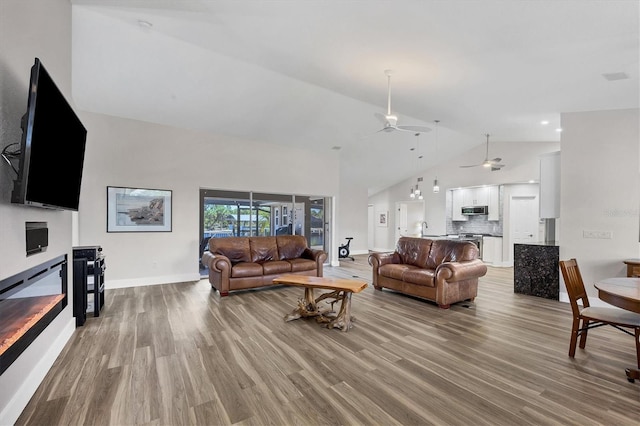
(443, 271)
(246, 262)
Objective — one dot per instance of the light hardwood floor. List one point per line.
(179, 354)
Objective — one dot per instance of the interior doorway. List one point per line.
(409, 218)
(524, 220)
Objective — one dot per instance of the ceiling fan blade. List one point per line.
(473, 165)
(380, 117)
(495, 160)
(414, 129)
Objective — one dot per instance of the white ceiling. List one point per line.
(311, 73)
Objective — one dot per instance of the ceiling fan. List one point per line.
(390, 120)
(493, 164)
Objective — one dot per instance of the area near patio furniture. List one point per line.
(443, 271)
(237, 263)
(308, 307)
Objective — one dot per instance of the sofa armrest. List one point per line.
(376, 260)
(315, 254)
(219, 271)
(319, 256)
(216, 262)
(460, 271)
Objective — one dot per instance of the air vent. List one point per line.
(613, 76)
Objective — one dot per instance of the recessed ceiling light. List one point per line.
(144, 24)
(559, 130)
(544, 122)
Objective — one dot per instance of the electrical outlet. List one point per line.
(604, 235)
(589, 234)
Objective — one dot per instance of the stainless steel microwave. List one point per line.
(475, 210)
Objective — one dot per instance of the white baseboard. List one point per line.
(383, 250)
(499, 264)
(139, 282)
(354, 252)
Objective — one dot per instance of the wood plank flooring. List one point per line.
(178, 354)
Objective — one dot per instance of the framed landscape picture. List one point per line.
(138, 210)
(383, 219)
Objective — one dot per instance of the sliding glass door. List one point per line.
(237, 213)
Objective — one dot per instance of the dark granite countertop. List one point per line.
(542, 243)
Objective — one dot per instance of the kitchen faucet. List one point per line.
(422, 228)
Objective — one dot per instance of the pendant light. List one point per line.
(436, 187)
(416, 192)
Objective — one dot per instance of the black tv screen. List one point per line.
(52, 148)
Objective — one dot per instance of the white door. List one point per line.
(523, 214)
(401, 220)
(409, 218)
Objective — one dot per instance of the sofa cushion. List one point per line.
(263, 249)
(298, 265)
(394, 270)
(276, 267)
(414, 251)
(420, 276)
(291, 246)
(235, 248)
(451, 251)
(246, 269)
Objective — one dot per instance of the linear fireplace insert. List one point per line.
(29, 301)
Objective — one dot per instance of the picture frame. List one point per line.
(383, 219)
(138, 209)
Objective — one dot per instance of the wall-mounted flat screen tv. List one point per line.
(52, 148)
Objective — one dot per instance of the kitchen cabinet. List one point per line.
(492, 250)
(475, 196)
(494, 203)
(457, 202)
(550, 185)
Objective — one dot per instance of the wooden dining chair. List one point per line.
(586, 317)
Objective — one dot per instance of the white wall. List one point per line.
(600, 191)
(29, 29)
(352, 213)
(123, 153)
(522, 164)
(129, 153)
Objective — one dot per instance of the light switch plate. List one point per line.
(601, 235)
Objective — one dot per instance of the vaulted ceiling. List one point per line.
(311, 73)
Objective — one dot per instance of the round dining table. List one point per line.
(623, 292)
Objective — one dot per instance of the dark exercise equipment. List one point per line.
(343, 250)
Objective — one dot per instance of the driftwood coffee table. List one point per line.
(308, 307)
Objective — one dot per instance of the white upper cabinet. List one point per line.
(550, 185)
(476, 196)
(457, 202)
(467, 197)
(494, 203)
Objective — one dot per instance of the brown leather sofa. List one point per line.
(237, 263)
(443, 271)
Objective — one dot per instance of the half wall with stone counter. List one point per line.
(535, 269)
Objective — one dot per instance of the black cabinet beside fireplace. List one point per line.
(88, 282)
